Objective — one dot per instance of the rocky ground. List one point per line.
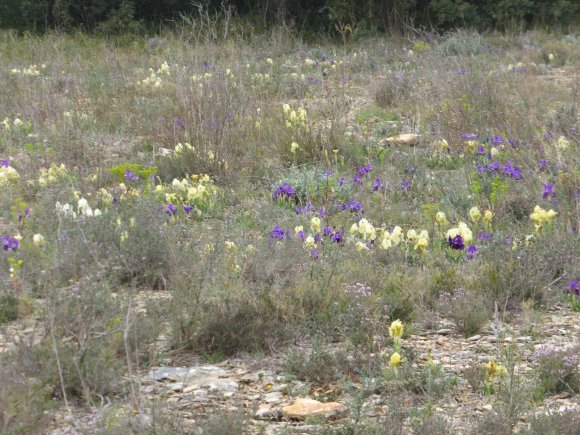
(259, 388)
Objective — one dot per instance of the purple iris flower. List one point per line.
(115, 201)
(317, 238)
(130, 175)
(517, 174)
(26, 214)
(469, 136)
(548, 190)
(357, 180)
(457, 243)
(471, 252)
(338, 237)
(494, 166)
(573, 287)
(321, 212)
(364, 170)
(406, 186)
(351, 205)
(377, 185)
(314, 253)
(327, 231)
(328, 173)
(9, 242)
(484, 237)
(170, 209)
(178, 122)
(497, 140)
(341, 181)
(5, 163)
(305, 209)
(187, 208)
(301, 235)
(481, 151)
(279, 233)
(512, 171)
(461, 71)
(543, 165)
(284, 191)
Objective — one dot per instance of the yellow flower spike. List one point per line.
(353, 229)
(430, 362)
(386, 243)
(474, 214)
(440, 218)
(494, 370)
(422, 243)
(38, 239)
(315, 224)
(472, 145)
(309, 242)
(396, 329)
(563, 143)
(487, 216)
(360, 247)
(395, 360)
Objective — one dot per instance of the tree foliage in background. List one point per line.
(312, 17)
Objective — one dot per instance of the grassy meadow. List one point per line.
(184, 196)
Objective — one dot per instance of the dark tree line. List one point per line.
(309, 16)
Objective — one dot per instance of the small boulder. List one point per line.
(267, 413)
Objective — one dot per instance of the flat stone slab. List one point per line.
(405, 138)
(301, 409)
(195, 378)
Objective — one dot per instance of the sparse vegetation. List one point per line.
(185, 196)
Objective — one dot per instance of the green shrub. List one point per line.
(8, 307)
(322, 365)
(468, 310)
(23, 401)
(557, 370)
(554, 422)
